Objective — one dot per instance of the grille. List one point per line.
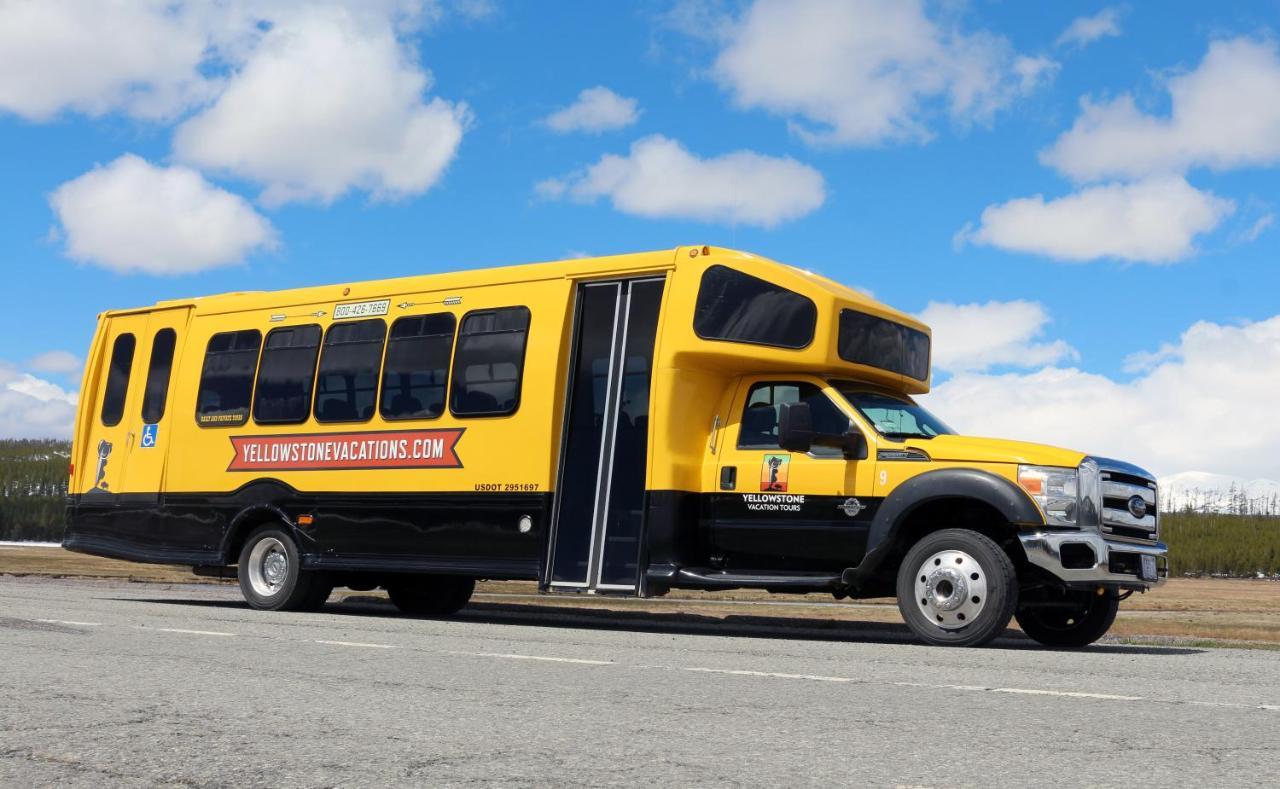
(1118, 488)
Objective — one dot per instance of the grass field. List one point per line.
(1200, 610)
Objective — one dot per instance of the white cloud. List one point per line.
(1152, 221)
(474, 10)
(1087, 29)
(970, 337)
(156, 59)
(1259, 226)
(328, 101)
(1209, 403)
(32, 407)
(57, 362)
(96, 57)
(597, 109)
(1032, 72)
(861, 72)
(660, 179)
(1224, 114)
(132, 216)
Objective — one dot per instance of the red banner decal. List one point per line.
(339, 451)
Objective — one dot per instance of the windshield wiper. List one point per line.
(901, 435)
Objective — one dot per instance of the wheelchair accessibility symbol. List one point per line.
(149, 435)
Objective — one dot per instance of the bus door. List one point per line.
(597, 529)
(149, 412)
(781, 510)
(104, 454)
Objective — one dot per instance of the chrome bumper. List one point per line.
(1114, 562)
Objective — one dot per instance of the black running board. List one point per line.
(706, 578)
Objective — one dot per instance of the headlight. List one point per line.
(1056, 490)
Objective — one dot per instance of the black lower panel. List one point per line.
(470, 533)
(476, 533)
(755, 532)
(802, 532)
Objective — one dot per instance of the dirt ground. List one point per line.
(1202, 610)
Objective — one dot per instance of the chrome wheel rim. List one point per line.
(951, 589)
(268, 567)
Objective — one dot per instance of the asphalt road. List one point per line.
(117, 684)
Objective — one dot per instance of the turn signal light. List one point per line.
(1031, 482)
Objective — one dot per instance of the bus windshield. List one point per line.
(892, 417)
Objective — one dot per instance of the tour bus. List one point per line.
(696, 418)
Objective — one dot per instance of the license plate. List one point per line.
(1149, 572)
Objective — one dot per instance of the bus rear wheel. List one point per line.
(271, 574)
(431, 595)
(957, 588)
(1075, 621)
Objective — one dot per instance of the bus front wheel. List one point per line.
(271, 574)
(431, 595)
(957, 588)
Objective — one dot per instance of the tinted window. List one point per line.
(416, 372)
(866, 339)
(347, 387)
(488, 362)
(157, 389)
(737, 307)
(759, 429)
(285, 374)
(118, 379)
(226, 380)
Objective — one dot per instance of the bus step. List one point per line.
(701, 576)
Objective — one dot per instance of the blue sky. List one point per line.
(864, 140)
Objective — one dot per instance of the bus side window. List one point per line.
(489, 362)
(118, 379)
(416, 372)
(285, 375)
(156, 391)
(347, 386)
(226, 380)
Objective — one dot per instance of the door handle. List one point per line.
(728, 477)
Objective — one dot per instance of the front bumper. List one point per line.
(1089, 559)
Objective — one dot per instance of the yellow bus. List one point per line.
(697, 418)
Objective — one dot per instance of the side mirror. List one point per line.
(854, 444)
(795, 427)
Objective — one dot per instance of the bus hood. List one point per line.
(973, 449)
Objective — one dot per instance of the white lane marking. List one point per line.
(1067, 694)
(188, 632)
(355, 644)
(772, 674)
(932, 686)
(1071, 694)
(982, 688)
(69, 622)
(580, 661)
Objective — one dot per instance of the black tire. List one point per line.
(948, 601)
(431, 595)
(321, 588)
(1071, 628)
(271, 574)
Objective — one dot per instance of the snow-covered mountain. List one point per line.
(1203, 491)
